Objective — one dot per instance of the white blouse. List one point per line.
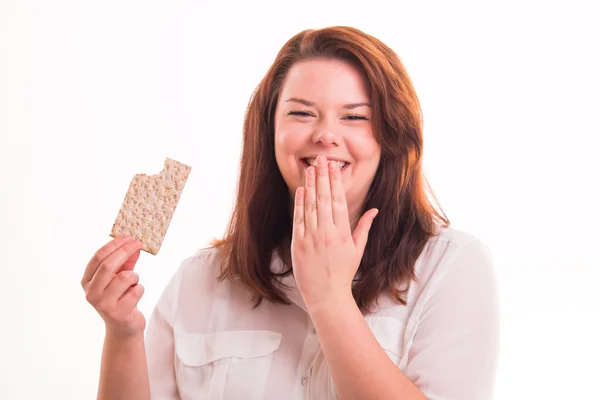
(205, 341)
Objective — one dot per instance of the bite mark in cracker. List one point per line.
(149, 205)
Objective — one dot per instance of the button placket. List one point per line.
(305, 380)
(313, 331)
(310, 351)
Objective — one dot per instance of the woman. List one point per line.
(338, 277)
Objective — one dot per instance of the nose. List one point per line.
(327, 137)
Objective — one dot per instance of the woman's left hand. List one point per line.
(325, 252)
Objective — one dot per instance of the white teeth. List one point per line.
(313, 162)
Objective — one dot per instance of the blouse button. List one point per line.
(303, 381)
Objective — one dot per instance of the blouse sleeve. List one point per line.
(160, 349)
(455, 349)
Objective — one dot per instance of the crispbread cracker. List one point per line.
(149, 205)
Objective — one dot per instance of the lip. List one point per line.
(305, 164)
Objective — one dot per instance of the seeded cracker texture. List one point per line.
(149, 205)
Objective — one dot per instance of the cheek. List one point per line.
(364, 148)
(287, 145)
(287, 142)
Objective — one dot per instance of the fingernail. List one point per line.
(321, 160)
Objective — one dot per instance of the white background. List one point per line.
(93, 92)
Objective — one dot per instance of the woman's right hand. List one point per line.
(112, 288)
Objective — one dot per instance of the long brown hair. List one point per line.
(261, 222)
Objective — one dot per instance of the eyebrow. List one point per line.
(311, 104)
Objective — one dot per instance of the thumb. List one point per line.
(361, 233)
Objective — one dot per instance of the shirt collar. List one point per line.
(289, 282)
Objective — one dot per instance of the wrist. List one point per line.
(118, 336)
(333, 303)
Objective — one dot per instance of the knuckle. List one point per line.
(102, 307)
(96, 260)
(328, 239)
(106, 267)
(311, 207)
(323, 198)
(337, 199)
(126, 277)
(91, 297)
(346, 238)
(122, 277)
(299, 219)
(300, 246)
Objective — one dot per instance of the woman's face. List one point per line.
(323, 109)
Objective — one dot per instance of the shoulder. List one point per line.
(454, 325)
(199, 272)
(205, 260)
(450, 243)
(456, 237)
(453, 255)
(194, 280)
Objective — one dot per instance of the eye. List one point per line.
(299, 113)
(357, 118)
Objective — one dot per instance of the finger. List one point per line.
(310, 201)
(130, 298)
(101, 255)
(119, 285)
(130, 263)
(324, 213)
(361, 233)
(338, 198)
(298, 228)
(111, 265)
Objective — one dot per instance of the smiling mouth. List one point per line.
(306, 162)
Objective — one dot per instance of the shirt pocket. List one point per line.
(224, 365)
(389, 332)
